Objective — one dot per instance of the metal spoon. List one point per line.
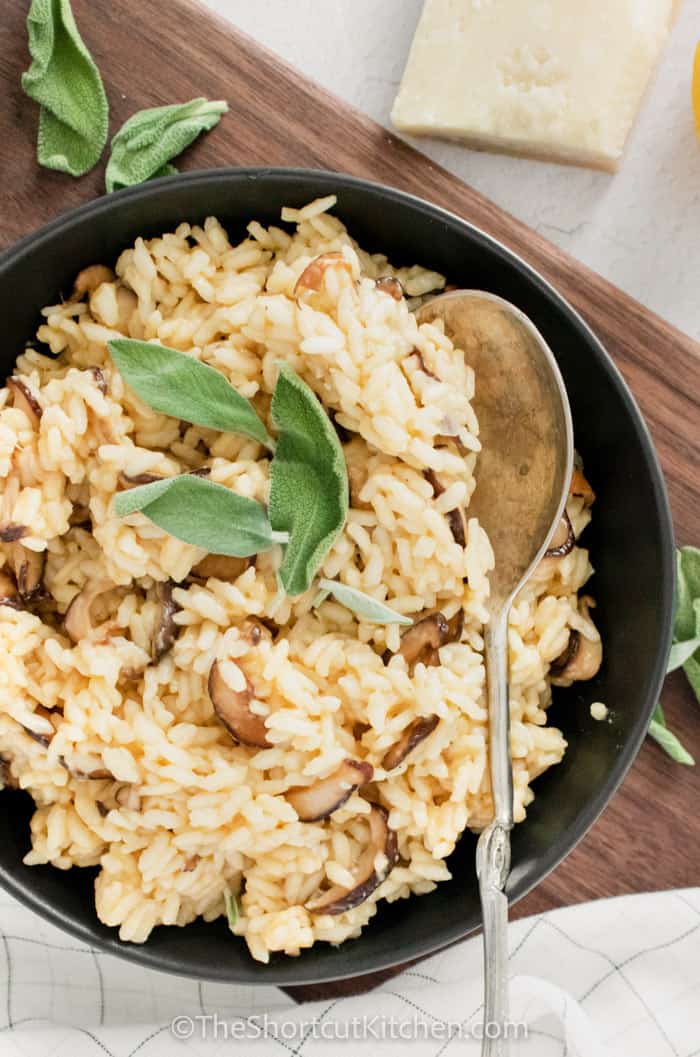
(522, 479)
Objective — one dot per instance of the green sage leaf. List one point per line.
(145, 143)
(64, 80)
(200, 512)
(309, 480)
(176, 384)
(681, 652)
(668, 740)
(687, 591)
(231, 905)
(364, 605)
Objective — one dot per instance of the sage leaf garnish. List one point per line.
(64, 80)
(365, 606)
(667, 739)
(231, 905)
(202, 513)
(176, 384)
(685, 651)
(145, 143)
(309, 480)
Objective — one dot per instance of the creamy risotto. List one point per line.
(208, 742)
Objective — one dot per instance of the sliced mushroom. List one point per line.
(100, 381)
(413, 735)
(457, 521)
(24, 400)
(337, 900)
(9, 595)
(166, 629)
(7, 779)
(455, 627)
(77, 620)
(563, 540)
(43, 738)
(456, 518)
(312, 276)
(580, 487)
(28, 567)
(391, 286)
(423, 365)
(582, 658)
(254, 631)
(128, 796)
(79, 516)
(421, 642)
(323, 797)
(89, 279)
(221, 567)
(11, 532)
(233, 709)
(99, 773)
(129, 480)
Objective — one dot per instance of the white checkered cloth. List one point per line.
(614, 978)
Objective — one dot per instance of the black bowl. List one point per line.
(630, 538)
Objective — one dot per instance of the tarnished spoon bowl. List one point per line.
(522, 479)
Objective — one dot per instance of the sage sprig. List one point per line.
(64, 80)
(179, 385)
(366, 607)
(309, 480)
(685, 651)
(202, 513)
(150, 139)
(231, 907)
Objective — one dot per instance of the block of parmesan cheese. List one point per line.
(555, 79)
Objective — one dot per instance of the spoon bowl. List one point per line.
(522, 480)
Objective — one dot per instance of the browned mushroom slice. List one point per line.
(413, 735)
(563, 540)
(387, 284)
(128, 796)
(43, 739)
(77, 620)
(7, 779)
(28, 567)
(322, 798)
(421, 642)
(166, 629)
(455, 627)
(423, 365)
(312, 276)
(99, 773)
(89, 279)
(11, 532)
(9, 595)
(582, 658)
(129, 480)
(580, 487)
(456, 518)
(24, 400)
(381, 839)
(221, 567)
(100, 380)
(457, 521)
(254, 631)
(233, 709)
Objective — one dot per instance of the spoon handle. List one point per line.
(493, 849)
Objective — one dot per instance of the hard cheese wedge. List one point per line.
(558, 79)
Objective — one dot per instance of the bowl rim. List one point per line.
(337, 181)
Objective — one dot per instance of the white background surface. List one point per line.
(640, 228)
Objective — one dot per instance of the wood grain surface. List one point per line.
(648, 837)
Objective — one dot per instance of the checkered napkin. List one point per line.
(614, 978)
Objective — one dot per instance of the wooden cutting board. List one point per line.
(648, 837)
